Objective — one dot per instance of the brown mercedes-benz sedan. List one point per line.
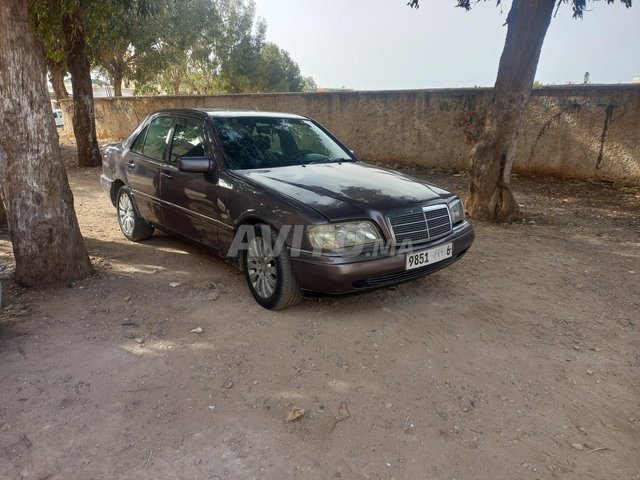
(284, 199)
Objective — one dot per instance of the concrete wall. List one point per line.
(570, 131)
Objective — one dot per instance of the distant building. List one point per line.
(100, 89)
(635, 80)
(324, 89)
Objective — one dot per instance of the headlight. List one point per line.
(334, 236)
(457, 211)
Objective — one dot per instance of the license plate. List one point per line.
(427, 257)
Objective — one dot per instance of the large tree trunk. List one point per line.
(56, 77)
(492, 158)
(47, 243)
(84, 126)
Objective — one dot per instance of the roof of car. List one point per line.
(219, 113)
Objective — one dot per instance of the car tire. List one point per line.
(269, 274)
(133, 226)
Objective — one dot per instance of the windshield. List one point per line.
(254, 142)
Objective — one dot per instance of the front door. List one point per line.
(189, 199)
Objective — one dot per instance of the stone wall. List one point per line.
(581, 131)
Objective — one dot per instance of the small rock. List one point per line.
(197, 330)
(127, 298)
(576, 347)
(577, 446)
(139, 339)
(388, 405)
(228, 383)
(174, 284)
(632, 272)
(255, 382)
(211, 407)
(589, 372)
(295, 414)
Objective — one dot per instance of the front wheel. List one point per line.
(134, 227)
(268, 270)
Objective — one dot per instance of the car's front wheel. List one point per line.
(134, 227)
(268, 270)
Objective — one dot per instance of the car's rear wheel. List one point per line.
(268, 270)
(133, 226)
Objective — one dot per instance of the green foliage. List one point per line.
(47, 17)
(174, 46)
(309, 84)
(277, 71)
(215, 46)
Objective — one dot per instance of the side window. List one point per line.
(139, 141)
(157, 137)
(188, 140)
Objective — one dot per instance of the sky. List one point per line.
(385, 45)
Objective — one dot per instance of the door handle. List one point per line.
(131, 165)
(167, 175)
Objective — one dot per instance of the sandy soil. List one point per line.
(519, 362)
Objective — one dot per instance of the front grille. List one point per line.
(421, 225)
(405, 275)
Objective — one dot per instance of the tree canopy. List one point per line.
(211, 46)
(173, 46)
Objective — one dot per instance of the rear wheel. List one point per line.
(134, 227)
(269, 272)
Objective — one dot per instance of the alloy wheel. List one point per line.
(261, 267)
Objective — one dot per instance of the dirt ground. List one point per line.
(521, 361)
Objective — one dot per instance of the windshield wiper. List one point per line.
(331, 160)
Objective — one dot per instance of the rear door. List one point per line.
(189, 200)
(143, 164)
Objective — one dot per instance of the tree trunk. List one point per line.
(117, 82)
(3, 211)
(492, 158)
(56, 77)
(47, 244)
(84, 126)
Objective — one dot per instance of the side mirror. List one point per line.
(195, 164)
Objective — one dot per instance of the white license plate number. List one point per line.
(427, 257)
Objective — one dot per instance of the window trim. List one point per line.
(176, 120)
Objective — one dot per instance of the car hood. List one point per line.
(345, 190)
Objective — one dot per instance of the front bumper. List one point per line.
(335, 275)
